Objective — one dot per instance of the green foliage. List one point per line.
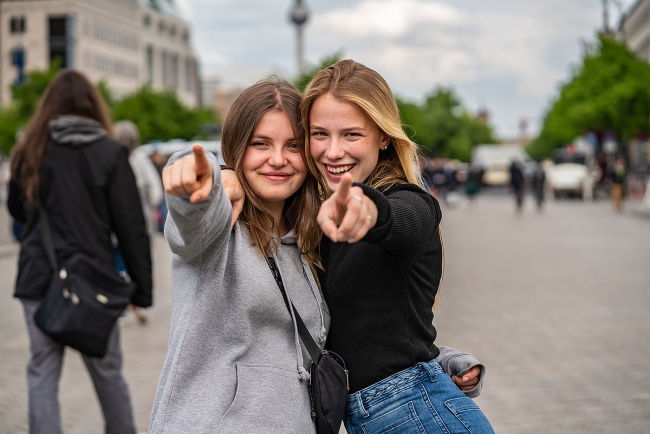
(106, 93)
(609, 92)
(25, 98)
(27, 95)
(10, 123)
(305, 77)
(442, 126)
(160, 115)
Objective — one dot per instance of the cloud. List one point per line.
(380, 19)
(509, 55)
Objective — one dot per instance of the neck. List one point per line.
(280, 226)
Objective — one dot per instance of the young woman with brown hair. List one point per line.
(235, 362)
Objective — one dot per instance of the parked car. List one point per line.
(571, 174)
(495, 162)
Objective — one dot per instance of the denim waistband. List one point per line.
(417, 373)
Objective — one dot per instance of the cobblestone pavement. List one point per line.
(555, 304)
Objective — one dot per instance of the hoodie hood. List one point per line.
(76, 130)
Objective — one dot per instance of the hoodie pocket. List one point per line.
(268, 400)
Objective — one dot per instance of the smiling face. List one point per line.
(342, 139)
(272, 163)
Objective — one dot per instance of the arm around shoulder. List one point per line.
(457, 363)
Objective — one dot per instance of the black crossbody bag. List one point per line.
(328, 385)
(84, 299)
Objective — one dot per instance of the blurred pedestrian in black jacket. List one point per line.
(517, 184)
(67, 163)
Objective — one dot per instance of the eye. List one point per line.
(257, 144)
(292, 145)
(352, 134)
(319, 134)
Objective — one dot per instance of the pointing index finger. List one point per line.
(343, 190)
(201, 160)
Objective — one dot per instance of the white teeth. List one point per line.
(340, 169)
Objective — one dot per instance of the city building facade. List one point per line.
(125, 43)
(634, 29)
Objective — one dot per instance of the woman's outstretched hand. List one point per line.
(191, 175)
(348, 214)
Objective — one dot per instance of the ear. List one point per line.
(384, 142)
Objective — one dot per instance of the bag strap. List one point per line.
(312, 347)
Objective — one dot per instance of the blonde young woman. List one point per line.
(235, 362)
(383, 259)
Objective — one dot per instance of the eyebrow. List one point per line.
(263, 137)
(344, 130)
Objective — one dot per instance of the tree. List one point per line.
(442, 126)
(608, 93)
(25, 98)
(160, 115)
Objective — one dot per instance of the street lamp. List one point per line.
(299, 15)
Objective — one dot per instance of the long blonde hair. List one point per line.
(238, 128)
(351, 81)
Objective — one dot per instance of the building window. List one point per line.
(163, 67)
(150, 64)
(58, 40)
(18, 25)
(174, 71)
(146, 20)
(189, 75)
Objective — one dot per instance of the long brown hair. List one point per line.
(351, 81)
(69, 93)
(238, 128)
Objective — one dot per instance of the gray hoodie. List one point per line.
(235, 363)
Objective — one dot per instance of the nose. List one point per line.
(335, 150)
(277, 157)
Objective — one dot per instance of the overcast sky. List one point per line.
(507, 55)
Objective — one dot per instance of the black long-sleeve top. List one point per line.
(83, 215)
(380, 291)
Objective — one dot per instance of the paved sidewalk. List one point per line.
(555, 304)
(144, 348)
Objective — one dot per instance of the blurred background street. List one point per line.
(547, 98)
(554, 303)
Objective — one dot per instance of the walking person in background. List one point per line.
(67, 163)
(618, 183)
(517, 184)
(149, 187)
(473, 182)
(538, 183)
(146, 174)
(382, 254)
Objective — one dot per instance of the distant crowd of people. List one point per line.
(451, 180)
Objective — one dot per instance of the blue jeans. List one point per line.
(420, 399)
